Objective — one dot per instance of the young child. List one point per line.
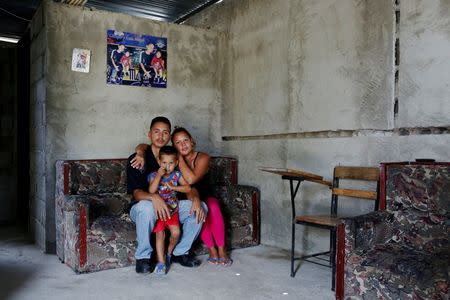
(166, 182)
(158, 65)
(126, 62)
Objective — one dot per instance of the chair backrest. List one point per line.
(354, 173)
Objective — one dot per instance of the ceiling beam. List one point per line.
(195, 11)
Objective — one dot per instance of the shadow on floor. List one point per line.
(13, 278)
(14, 268)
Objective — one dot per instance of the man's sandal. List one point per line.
(226, 262)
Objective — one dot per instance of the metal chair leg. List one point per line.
(292, 249)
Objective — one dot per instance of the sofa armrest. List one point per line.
(72, 219)
(94, 206)
(240, 208)
(76, 222)
(364, 231)
(359, 233)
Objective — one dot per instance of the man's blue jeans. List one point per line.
(144, 217)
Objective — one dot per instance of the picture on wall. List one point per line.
(80, 60)
(136, 59)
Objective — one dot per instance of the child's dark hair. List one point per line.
(178, 130)
(162, 120)
(168, 150)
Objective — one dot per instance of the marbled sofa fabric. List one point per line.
(419, 197)
(94, 231)
(222, 171)
(403, 252)
(239, 206)
(90, 199)
(111, 243)
(100, 176)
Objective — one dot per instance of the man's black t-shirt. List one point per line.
(116, 56)
(137, 179)
(145, 59)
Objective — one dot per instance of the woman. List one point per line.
(194, 167)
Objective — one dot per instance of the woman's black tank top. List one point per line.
(202, 185)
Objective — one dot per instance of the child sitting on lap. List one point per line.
(166, 181)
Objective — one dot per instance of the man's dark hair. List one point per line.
(168, 150)
(162, 120)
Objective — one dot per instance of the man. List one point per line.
(147, 208)
(145, 59)
(116, 56)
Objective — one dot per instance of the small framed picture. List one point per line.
(80, 60)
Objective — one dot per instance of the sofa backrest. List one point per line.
(419, 197)
(95, 176)
(222, 170)
(99, 176)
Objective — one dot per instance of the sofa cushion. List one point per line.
(106, 229)
(109, 204)
(113, 204)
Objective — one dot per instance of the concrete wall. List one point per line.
(86, 118)
(424, 86)
(39, 198)
(301, 66)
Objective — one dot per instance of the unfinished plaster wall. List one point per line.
(86, 118)
(424, 85)
(302, 66)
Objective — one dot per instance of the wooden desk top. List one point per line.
(297, 173)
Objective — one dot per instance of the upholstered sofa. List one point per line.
(93, 228)
(403, 250)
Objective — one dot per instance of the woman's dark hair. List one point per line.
(180, 129)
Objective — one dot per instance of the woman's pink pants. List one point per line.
(213, 229)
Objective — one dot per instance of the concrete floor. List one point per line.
(257, 273)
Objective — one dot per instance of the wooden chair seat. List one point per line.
(324, 220)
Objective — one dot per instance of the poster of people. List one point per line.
(136, 59)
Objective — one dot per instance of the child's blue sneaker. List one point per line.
(168, 260)
(160, 269)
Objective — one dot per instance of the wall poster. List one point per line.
(136, 59)
(80, 60)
